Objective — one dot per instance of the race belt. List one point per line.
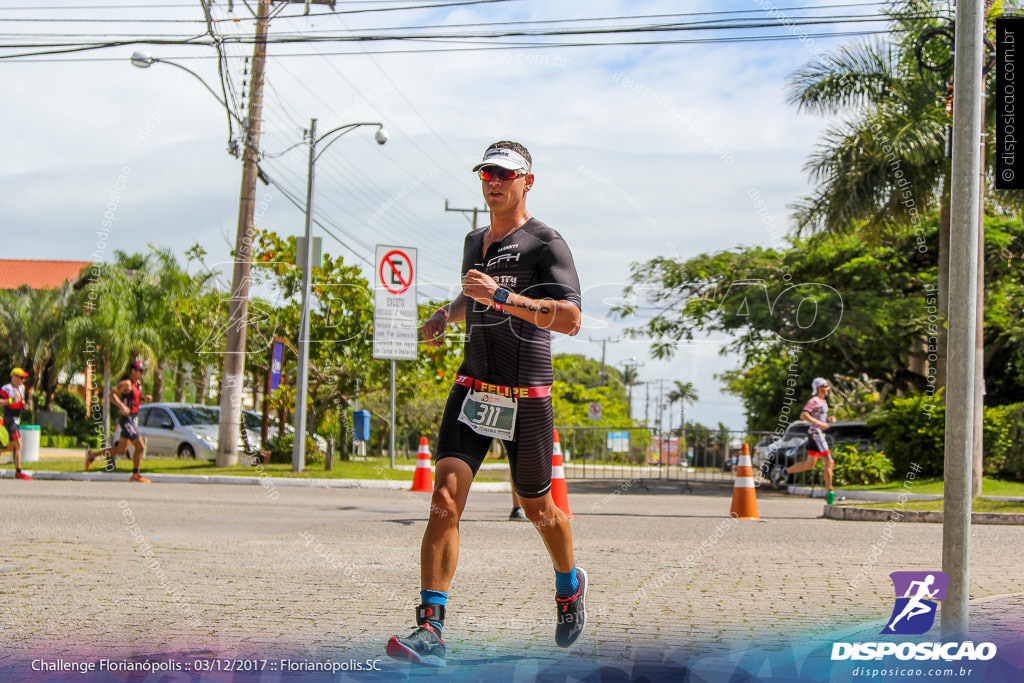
(515, 392)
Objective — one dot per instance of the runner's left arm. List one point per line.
(553, 303)
(557, 315)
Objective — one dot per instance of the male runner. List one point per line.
(519, 282)
(12, 398)
(127, 395)
(816, 413)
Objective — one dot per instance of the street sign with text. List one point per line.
(395, 319)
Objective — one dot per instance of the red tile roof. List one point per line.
(38, 274)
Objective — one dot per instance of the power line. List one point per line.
(460, 3)
(518, 46)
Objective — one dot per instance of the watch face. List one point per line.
(501, 295)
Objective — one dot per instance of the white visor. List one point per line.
(505, 158)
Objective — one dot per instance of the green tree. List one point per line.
(684, 392)
(578, 383)
(114, 328)
(868, 300)
(340, 325)
(32, 323)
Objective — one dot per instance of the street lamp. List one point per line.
(381, 136)
(144, 60)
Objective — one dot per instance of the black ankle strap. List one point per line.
(430, 611)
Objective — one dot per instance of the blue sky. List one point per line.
(639, 151)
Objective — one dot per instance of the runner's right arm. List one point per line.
(806, 417)
(454, 312)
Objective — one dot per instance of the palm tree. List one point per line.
(892, 147)
(684, 392)
(112, 326)
(631, 378)
(31, 327)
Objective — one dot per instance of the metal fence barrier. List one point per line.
(699, 455)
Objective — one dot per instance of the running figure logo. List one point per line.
(916, 592)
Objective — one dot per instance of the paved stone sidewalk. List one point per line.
(118, 569)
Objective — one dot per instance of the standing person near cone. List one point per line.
(519, 283)
(816, 413)
(12, 400)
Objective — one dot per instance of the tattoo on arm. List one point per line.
(532, 307)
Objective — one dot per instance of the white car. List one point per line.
(187, 430)
(191, 430)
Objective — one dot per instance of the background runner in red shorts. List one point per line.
(816, 413)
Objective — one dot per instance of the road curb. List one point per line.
(267, 482)
(856, 514)
(878, 496)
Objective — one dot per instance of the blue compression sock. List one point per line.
(437, 598)
(566, 583)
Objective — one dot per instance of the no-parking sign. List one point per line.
(395, 320)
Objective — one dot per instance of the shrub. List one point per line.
(913, 430)
(280, 448)
(1004, 441)
(79, 426)
(58, 441)
(857, 467)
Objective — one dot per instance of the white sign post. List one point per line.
(395, 317)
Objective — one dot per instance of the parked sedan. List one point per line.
(188, 430)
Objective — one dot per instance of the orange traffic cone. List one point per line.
(423, 479)
(559, 493)
(744, 495)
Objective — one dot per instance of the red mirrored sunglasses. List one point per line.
(498, 173)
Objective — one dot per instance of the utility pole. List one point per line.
(963, 292)
(603, 342)
(657, 418)
(630, 364)
(473, 211)
(238, 304)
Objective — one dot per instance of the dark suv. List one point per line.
(793, 446)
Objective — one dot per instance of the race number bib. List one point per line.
(490, 415)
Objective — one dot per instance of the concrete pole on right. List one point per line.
(963, 289)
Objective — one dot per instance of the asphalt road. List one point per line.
(123, 570)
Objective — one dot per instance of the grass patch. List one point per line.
(978, 505)
(379, 468)
(989, 487)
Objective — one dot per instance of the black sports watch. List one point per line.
(501, 295)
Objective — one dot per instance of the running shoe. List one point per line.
(572, 614)
(89, 457)
(139, 478)
(422, 646)
(22, 475)
(518, 515)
